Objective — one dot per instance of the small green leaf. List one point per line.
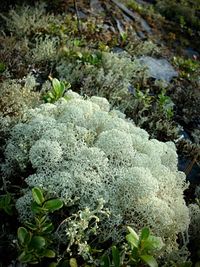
(53, 264)
(73, 262)
(37, 242)
(49, 253)
(47, 228)
(133, 233)
(153, 243)
(26, 257)
(7, 199)
(67, 85)
(43, 219)
(53, 204)
(56, 86)
(62, 88)
(31, 226)
(8, 210)
(135, 254)
(5, 204)
(116, 256)
(37, 209)
(79, 54)
(144, 234)
(150, 260)
(38, 195)
(23, 235)
(105, 261)
(132, 238)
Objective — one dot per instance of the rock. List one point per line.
(135, 16)
(190, 52)
(159, 69)
(96, 6)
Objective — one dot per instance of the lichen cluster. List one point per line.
(82, 151)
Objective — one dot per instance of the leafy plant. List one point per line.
(58, 90)
(143, 246)
(165, 104)
(115, 259)
(93, 58)
(35, 238)
(189, 68)
(141, 250)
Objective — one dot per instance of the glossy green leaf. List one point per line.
(7, 199)
(79, 54)
(105, 261)
(132, 238)
(5, 204)
(56, 86)
(49, 253)
(47, 228)
(8, 210)
(73, 262)
(135, 254)
(31, 226)
(144, 233)
(116, 256)
(67, 85)
(37, 209)
(152, 243)
(149, 260)
(53, 264)
(26, 257)
(53, 204)
(37, 242)
(23, 235)
(38, 195)
(62, 88)
(133, 233)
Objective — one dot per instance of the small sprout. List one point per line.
(53, 205)
(58, 91)
(143, 246)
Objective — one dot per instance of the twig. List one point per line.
(78, 17)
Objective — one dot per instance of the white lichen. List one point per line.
(81, 152)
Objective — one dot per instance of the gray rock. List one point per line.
(135, 16)
(159, 69)
(96, 6)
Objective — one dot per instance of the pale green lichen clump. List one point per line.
(82, 151)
